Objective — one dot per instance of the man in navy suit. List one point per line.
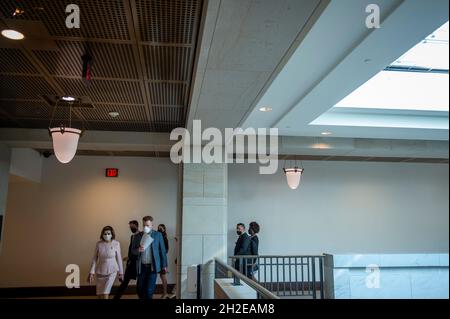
(151, 261)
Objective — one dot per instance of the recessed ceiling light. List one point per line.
(12, 34)
(68, 98)
(18, 12)
(113, 114)
(321, 146)
(265, 109)
(326, 133)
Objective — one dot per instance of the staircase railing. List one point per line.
(289, 276)
(222, 270)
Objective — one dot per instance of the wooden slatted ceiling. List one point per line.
(143, 53)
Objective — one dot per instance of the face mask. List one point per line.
(146, 229)
(239, 232)
(133, 229)
(107, 237)
(161, 230)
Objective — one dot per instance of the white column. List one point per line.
(204, 222)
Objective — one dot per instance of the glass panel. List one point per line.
(431, 53)
(402, 91)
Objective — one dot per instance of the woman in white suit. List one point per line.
(107, 263)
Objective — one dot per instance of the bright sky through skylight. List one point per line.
(431, 53)
(399, 90)
(402, 91)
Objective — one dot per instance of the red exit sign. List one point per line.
(112, 172)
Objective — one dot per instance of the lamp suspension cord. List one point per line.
(53, 113)
(81, 118)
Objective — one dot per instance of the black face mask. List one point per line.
(133, 229)
(239, 232)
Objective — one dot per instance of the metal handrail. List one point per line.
(295, 275)
(274, 256)
(260, 290)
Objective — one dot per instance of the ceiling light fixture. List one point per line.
(68, 98)
(293, 175)
(65, 142)
(265, 109)
(12, 34)
(65, 138)
(113, 114)
(18, 12)
(326, 133)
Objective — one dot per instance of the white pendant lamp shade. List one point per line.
(293, 176)
(65, 142)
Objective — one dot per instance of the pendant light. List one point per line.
(65, 138)
(293, 175)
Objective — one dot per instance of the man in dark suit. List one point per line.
(133, 253)
(252, 263)
(242, 246)
(151, 260)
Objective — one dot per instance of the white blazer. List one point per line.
(107, 258)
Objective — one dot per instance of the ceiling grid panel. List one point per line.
(143, 54)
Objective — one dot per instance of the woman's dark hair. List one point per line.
(113, 234)
(164, 233)
(254, 226)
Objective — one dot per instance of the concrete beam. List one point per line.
(362, 147)
(236, 60)
(90, 140)
(288, 145)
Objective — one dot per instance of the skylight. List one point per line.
(401, 91)
(398, 88)
(431, 53)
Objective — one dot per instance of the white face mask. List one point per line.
(107, 237)
(147, 229)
